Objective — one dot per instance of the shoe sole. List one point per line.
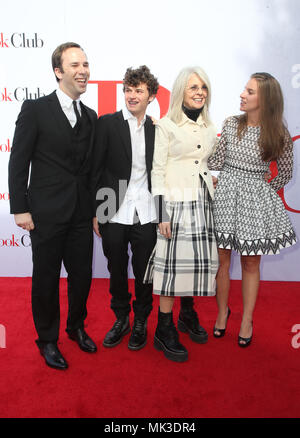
(138, 347)
(119, 341)
(63, 368)
(196, 338)
(86, 350)
(175, 357)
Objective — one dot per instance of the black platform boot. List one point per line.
(188, 321)
(166, 338)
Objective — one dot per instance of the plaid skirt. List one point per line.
(186, 264)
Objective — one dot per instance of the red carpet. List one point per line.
(219, 380)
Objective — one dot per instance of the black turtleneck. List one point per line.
(192, 114)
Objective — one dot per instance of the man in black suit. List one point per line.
(54, 136)
(126, 214)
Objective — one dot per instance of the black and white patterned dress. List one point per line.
(249, 215)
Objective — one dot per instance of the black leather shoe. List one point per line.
(188, 323)
(53, 356)
(138, 337)
(166, 339)
(120, 328)
(83, 340)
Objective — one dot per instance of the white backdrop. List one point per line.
(230, 39)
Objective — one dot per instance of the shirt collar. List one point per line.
(127, 115)
(65, 100)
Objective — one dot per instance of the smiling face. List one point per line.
(137, 99)
(74, 74)
(250, 98)
(195, 93)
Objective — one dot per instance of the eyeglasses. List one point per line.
(194, 89)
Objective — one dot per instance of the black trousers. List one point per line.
(52, 244)
(115, 240)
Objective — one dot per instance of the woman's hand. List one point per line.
(165, 229)
(215, 181)
(267, 176)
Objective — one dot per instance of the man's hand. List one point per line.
(96, 226)
(24, 220)
(165, 229)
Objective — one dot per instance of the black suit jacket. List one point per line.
(43, 142)
(114, 157)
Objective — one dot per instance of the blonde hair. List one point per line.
(175, 112)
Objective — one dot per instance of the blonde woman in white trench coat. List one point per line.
(184, 262)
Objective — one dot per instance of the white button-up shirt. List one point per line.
(66, 104)
(137, 198)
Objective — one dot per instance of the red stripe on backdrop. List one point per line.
(281, 192)
(219, 379)
(107, 96)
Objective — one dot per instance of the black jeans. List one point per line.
(115, 240)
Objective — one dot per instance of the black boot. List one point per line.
(115, 335)
(166, 338)
(138, 336)
(188, 321)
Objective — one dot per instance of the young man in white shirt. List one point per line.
(126, 214)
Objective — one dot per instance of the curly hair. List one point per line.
(133, 77)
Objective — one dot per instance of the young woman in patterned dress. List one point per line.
(249, 216)
(185, 261)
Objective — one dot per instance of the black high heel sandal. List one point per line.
(221, 331)
(245, 342)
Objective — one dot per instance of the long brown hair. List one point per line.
(272, 129)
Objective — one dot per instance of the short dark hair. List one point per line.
(133, 77)
(57, 55)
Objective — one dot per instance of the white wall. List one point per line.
(230, 39)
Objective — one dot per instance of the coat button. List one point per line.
(196, 162)
(205, 173)
(199, 146)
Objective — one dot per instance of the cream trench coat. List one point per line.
(180, 155)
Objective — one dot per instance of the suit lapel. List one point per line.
(124, 132)
(61, 120)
